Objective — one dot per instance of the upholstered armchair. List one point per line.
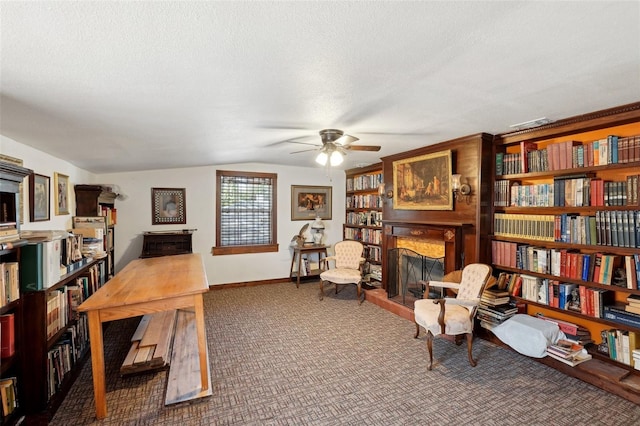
(452, 315)
(348, 261)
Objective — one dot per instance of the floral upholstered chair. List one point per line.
(348, 262)
(452, 315)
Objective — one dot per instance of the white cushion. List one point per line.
(456, 317)
(341, 276)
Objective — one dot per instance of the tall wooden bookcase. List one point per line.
(363, 215)
(47, 379)
(11, 176)
(548, 214)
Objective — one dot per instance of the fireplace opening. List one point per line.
(405, 268)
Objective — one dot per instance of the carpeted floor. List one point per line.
(279, 356)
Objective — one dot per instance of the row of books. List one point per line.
(372, 218)
(569, 154)
(366, 235)
(602, 268)
(62, 304)
(363, 182)
(615, 228)
(65, 353)
(373, 253)
(568, 191)
(621, 345)
(110, 214)
(364, 201)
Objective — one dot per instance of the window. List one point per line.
(246, 212)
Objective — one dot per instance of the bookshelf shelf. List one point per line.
(571, 189)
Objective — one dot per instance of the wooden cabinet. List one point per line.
(11, 370)
(363, 216)
(565, 205)
(97, 200)
(166, 243)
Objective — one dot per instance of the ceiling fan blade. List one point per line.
(345, 140)
(362, 147)
(294, 140)
(304, 150)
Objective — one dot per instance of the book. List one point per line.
(32, 271)
(7, 335)
(617, 313)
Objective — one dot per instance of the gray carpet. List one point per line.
(279, 356)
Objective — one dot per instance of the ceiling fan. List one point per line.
(335, 144)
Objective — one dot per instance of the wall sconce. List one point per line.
(382, 192)
(461, 191)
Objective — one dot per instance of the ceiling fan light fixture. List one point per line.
(336, 158)
(322, 158)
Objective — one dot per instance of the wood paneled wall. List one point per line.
(471, 157)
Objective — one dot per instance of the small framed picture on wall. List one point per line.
(61, 184)
(39, 197)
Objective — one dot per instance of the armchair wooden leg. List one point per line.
(359, 294)
(321, 290)
(469, 346)
(417, 331)
(430, 349)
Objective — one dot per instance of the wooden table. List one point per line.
(145, 286)
(299, 253)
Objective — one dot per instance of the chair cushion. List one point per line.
(341, 276)
(456, 317)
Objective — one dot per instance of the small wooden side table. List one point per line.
(306, 252)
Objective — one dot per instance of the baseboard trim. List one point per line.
(249, 283)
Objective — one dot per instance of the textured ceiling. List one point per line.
(121, 86)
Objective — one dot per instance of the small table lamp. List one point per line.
(318, 228)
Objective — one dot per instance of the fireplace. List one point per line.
(405, 269)
(419, 251)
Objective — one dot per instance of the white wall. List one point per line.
(45, 164)
(134, 210)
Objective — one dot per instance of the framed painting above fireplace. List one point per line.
(423, 183)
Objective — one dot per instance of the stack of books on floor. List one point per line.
(573, 332)
(495, 308)
(568, 352)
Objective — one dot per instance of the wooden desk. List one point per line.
(145, 286)
(299, 253)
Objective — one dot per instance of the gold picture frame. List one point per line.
(423, 182)
(168, 206)
(61, 185)
(309, 202)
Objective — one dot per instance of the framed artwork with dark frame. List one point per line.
(423, 182)
(39, 197)
(168, 206)
(61, 185)
(309, 202)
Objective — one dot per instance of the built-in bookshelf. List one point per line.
(11, 304)
(363, 215)
(98, 201)
(566, 220)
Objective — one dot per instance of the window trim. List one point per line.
(245, 249)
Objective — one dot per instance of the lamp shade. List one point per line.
(317, 224)
(322, 158)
